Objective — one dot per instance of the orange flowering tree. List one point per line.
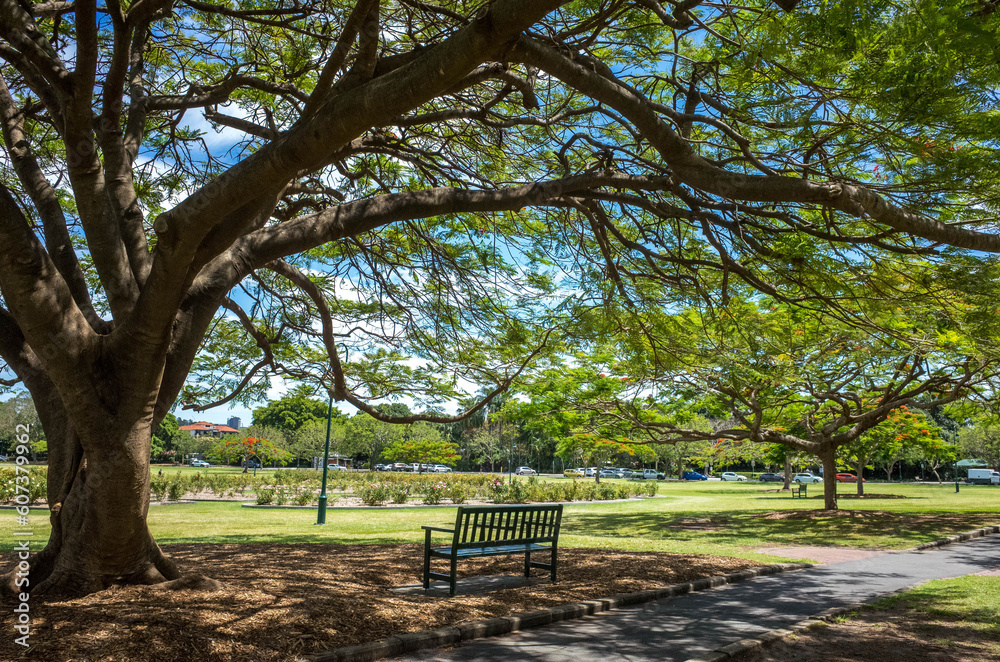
(886, 443)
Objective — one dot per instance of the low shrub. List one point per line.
(304, 497)
(176, 490)
(457, 492)
(373, 494)
(399, 493)
(434, 494)
(158, 486)
(265, 497)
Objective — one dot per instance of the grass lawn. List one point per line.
(730, 519)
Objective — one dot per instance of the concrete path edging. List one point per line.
(414, 641)
(745, 647)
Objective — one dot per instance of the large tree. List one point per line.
(362, 200)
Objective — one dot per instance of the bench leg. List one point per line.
(454, 575)
(553, 563)
(527, 564)
(427, 561)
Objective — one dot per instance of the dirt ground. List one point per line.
(282, 601)
(894, 635)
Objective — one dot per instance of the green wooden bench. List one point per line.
(799, 490)
(493, 531)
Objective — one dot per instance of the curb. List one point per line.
(744, 647)
(407, 643)
(958, 537)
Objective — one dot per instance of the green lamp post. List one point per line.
(321, 515)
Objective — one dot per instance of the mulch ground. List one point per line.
(280, 602)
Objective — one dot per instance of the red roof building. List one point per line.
(206, 429)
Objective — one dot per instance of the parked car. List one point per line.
(574, 473)
(848, 478)
(731, 475)
(336, 467)
(525, 471)
(253, 464)
(646, 474)
(590, 472)
(381, 467)
(771, 478)
(807, 478)
(441, 469)
(609, 473)
(401, 466)
(693, 475)
(200, 463)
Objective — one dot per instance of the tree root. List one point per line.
(191, 582)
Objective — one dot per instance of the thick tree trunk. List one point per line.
(98, 498)
(99, 501)
(829, 479)
(861, 474)
(788, 474)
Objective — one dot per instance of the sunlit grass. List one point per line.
(734, 520)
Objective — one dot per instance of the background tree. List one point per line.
(169, 441)
(245, 448)
(309, 440)
(367, 435)
(423, 445)
(981, 441)
(20, 410)
(901, 432)
(291, 412)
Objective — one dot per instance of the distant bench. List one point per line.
(494, 531)
(799, 491)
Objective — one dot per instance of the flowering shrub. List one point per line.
(517, 492)
(498, 490)
(264, 497)
(457, 492)
(373, 494)
(399, 493)
(434, 494)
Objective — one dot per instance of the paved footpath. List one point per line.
(692, 625)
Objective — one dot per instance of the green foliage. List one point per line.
(981, 441)
(236, 447)
(292, 412)
(168, 439)
(428, 448)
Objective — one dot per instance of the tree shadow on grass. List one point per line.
(863, 528)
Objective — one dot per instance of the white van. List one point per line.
(983, 477)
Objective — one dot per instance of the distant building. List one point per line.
(234, 422)
(205, 429)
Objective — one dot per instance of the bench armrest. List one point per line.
(437, 528)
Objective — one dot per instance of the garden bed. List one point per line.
(302, 487)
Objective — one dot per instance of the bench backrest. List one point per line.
(510, 525)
